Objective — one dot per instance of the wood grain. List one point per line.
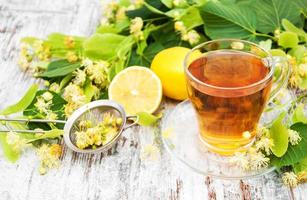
(123, 175)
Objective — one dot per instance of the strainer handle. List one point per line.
(135, 120)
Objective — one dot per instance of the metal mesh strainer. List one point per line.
(94, 112)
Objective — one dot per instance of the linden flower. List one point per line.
(294, 81)
(49, 156)
(303, 70)
(258, 161)
(192, 37)
(69, 42)
(18, 143)
(41, 105)
(241, 160)
(98, 73)
(71, 57)
(54, 87)
(80, 77)
(51, 116)
(265, 144)
(47, 96)
(179, 26)
(294, 137)
(136, 28)
(289, 179)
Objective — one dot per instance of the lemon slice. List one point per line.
(137, 89)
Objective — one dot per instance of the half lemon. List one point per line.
(137, 89)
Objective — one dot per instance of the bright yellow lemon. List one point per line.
(137, 89)
(168, 65)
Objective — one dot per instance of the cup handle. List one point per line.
(282, 68)
(135, 119)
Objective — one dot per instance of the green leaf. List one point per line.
(146, 13)
(52, 134)
(108, 28)
(65, 81)
(57, 107)
(279, 134)
(298, 115)
(168, 3)
(191, 18)
(223, 20)
(277, 52)
(102, 46)
(295, 153)
(266, 44)
(288, 39)
(89, 90)
(271, 12)
(300, 166)
(303, 84)
(8, 150)
(23, 103)
(298, 52)
(288, 26)
(146, 119)
(29, 40)
(59, 68)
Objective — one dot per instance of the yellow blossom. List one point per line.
(258, 161)
(54, 87)
(136, 28)
(289, 179)
(192, 37)
(49, 156)
(294, 137)
(241, 160)
(51, 116)
(179, 26)
(303, 70)
(71, 57)
(80, 77)
(98, 73)
(47, 96)
(265, 144)
(69, 42)
(42, 105)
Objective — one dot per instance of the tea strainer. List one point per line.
(94, 112)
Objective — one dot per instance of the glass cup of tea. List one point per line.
(229, 83)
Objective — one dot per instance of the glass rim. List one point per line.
(266, 78)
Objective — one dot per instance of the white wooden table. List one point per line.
(124, 175)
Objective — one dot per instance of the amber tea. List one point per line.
(228, 117)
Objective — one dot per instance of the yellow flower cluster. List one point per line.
(97, 72)
(298, 70)
(39, 50)
(75, 98)
(290, 179)
(43, 105)
(136, 28)
(190, 36)
(100, 134)
(69, 42)
(49, 156)
(255, 157)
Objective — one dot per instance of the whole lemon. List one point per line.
(168, 65)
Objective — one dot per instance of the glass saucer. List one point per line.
(184, 144)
